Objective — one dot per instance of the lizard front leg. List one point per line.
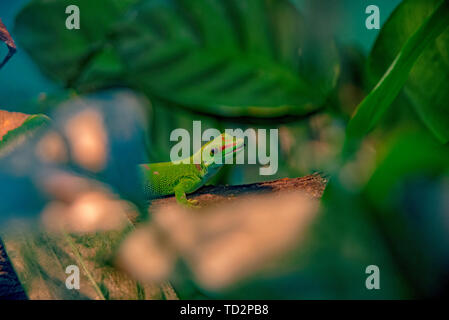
(186, 185)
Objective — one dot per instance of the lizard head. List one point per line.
(216, 152)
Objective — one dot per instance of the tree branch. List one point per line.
(313, 185)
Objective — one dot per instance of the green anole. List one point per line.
(186, 176)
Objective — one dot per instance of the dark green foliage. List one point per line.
(228, 58)
(66, 55)
(384, 93)
(427, 85)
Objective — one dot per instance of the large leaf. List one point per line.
(65, 55)
(428, 84)
(231, 58)
(384, 93)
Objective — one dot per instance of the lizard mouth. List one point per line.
(233, 151)
(238, 148)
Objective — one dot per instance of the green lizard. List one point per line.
(167, 178)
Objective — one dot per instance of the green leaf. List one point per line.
(428, 84)
(15, 137)
(381, 97)
(65, 55)
(228, 58)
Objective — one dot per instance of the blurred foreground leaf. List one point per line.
(69, 178)
(99, 138)
(281, 248)
(427, 86)
(406, 196)
(403, 201)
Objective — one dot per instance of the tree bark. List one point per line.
(313, 185)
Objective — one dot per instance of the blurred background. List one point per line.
(138, 69)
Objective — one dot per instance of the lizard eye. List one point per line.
(213, 151)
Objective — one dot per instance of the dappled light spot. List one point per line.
(355, 174)
(88, 139)
(178, 224)
(89, 212)
(67, 187)
(52, 149)
(223, 245)
(145, 256)
(232, 245)
(287, 139)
